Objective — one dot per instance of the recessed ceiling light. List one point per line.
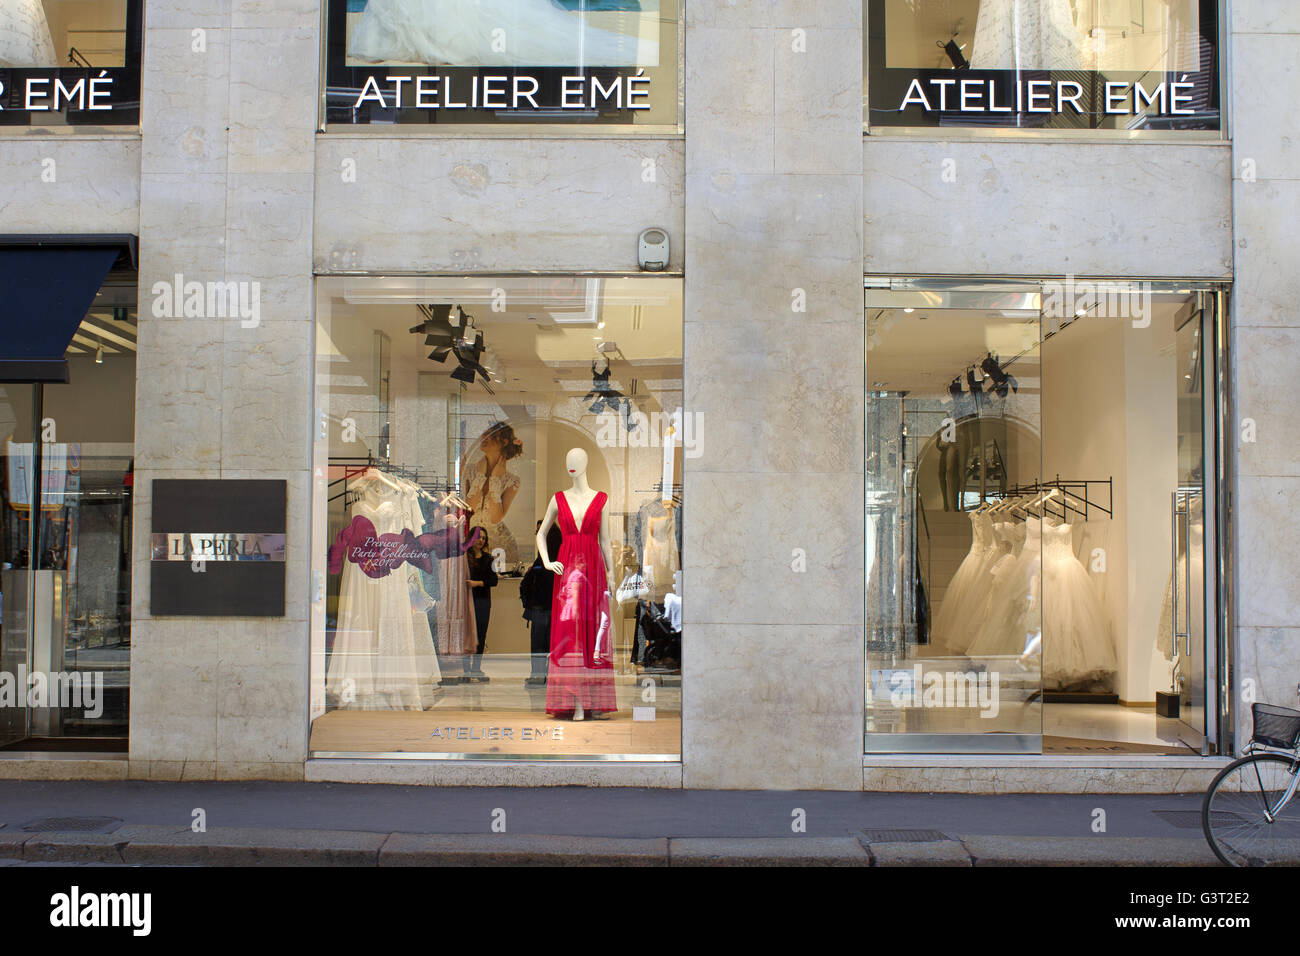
(909, 311)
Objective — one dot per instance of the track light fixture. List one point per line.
(451, 332)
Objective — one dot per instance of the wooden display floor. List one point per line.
(496, 732)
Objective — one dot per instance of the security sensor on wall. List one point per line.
(652, 250)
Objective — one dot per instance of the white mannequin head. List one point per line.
(575, 463)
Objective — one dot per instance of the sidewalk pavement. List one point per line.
(288, 824)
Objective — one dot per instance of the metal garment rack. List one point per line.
(1080, 490)
(658, 489)
(356, 466)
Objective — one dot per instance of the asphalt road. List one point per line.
(594, 812)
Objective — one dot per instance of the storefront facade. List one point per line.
(308, 241)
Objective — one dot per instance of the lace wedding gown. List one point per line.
(25, 40)
(498, 535)
(964, 601)
(490, 33)
(1011, 623)
(1044, 603)
(1026, 35)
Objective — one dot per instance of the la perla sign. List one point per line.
(217, 546)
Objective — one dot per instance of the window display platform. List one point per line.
(480, 732)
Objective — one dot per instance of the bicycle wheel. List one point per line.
(1233, 812)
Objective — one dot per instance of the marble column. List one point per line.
(773, 661)
(229, 114)
(1266, 345)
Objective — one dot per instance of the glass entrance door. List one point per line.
(1187, 592)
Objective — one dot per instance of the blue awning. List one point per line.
(47, 285)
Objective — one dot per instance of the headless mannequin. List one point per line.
(579, 498)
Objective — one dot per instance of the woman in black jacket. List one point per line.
(481, 581)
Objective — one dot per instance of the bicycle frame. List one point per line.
(1270, 813)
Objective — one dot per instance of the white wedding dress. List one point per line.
(1046, 604)
(490, 33)
(1011, 624)
(965, 600)
(1078, 649)
(25, 40)
(383, 656)
(1026, 35)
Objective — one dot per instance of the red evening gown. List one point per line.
(577, 605)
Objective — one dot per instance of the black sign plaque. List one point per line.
(218, 548)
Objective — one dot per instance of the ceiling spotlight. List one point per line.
(99, 355)
(909, 310)
(444, 329)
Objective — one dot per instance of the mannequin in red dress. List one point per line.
(580, 677)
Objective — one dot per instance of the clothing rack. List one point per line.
(658, 489)
(1080, 490)
(353, 467)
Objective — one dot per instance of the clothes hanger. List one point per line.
(374, 474)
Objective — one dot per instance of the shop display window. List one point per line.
(498, 518)
(587, 62)
(1128, 65)
(70, 62)
(1038, 518)
(65, 562)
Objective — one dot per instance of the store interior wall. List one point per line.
(1109, 411)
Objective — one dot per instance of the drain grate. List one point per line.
(904, 836)
(73, 825)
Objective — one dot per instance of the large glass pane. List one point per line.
(18, 423)
(65, 584)
(1044, 64)
(461, 418)
(954, 520)
(1122, 428)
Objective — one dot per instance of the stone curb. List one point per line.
(176, 845)
(1088, 851)
(422, 849)
(257, 847)
(937, 853)
(767, 851)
